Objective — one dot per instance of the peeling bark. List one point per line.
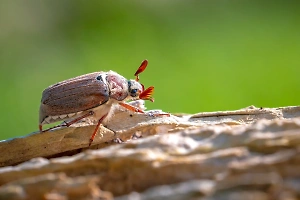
(252, 153)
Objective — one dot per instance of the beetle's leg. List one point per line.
(134, 109)
(96, 129)
(67, 124)
(78, 119)
(130, 107)
(158, 114)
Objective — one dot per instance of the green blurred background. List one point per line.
(203, 55)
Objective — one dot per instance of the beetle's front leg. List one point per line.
(130, 107)
(157, 114)
(135, 109)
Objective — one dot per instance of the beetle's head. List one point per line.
(136, 89)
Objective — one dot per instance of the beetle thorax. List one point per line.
(117, 85)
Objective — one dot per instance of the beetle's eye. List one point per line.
(134, 91)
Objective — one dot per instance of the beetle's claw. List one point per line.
(90, 142)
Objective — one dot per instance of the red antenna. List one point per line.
(141, 69)
(146, 94)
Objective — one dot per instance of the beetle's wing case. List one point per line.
(72, 96)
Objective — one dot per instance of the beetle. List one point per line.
(91, 95)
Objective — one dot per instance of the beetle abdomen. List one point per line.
(52, 119)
